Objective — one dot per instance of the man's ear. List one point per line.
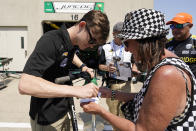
(191, 25)
(82, 24)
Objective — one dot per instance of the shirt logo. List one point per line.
(185, 52)
(170, 48)
(63, 62)
(193, 52)
(65, 54)
(188, 59)
(188, 46)
(111, 50)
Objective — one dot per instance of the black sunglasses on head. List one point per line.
(92, 40)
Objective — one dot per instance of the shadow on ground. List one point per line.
(87, 119)
(3, 84)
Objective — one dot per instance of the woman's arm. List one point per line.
(165, 99)
(121, 96)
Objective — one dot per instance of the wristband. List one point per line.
(113, 95)
(83, 65)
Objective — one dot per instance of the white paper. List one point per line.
(94, 99)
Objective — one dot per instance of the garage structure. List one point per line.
(23, 21)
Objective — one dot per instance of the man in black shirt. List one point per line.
(51, 58)
(183, 43)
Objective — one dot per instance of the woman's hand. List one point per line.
(91, 107)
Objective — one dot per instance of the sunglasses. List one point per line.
(92, 40)
(178, 26)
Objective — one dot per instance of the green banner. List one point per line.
(99, 6)
(48, 7)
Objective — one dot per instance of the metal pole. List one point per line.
(93, 123)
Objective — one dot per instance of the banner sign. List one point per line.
(71, 7)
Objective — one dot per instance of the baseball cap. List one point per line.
(181, 18)
(143, 23)
(118, 27)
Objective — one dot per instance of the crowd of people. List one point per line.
(167, 100)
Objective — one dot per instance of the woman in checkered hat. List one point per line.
(167, 100)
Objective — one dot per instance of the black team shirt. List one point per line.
(186, 50)
(51, 59)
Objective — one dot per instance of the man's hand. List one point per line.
(89, 70)
(88, 91)
(135, 71)
(111, 68)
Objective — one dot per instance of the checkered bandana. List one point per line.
(143, 23)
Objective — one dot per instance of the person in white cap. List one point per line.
(183, 43)
(167, 101)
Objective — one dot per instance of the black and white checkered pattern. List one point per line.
(184, 122)
(143, 23)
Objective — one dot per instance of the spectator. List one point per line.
(110, 52)
(183, 43)
(167, 99)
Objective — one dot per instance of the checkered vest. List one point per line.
(184, 122)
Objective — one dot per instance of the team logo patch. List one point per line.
(64, 62)
(170, 48)
(188, 46)
(65, 54)
(111, 50)
(193, 52)
(185, 52)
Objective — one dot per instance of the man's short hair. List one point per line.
(98, 19)
(118, 27)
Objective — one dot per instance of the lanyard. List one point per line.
(120, 56)
(120, 52)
